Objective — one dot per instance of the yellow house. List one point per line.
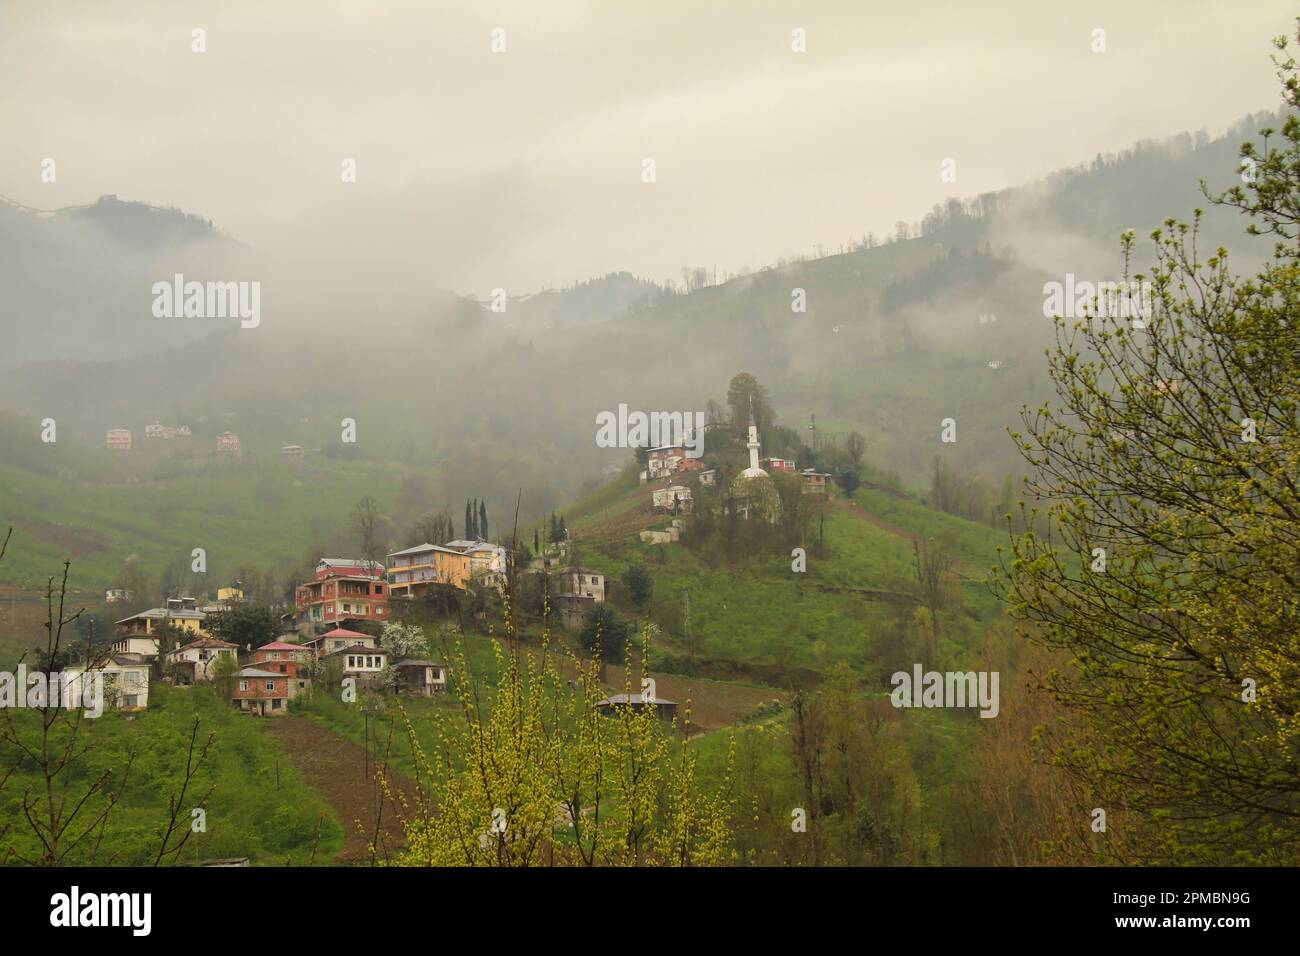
(134, 633)
(231, 595)
(411, 572)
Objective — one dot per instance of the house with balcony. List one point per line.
(815, 482)
(340, 593)
(778, 464)
(335, 640)
(487, 562)
(664, 461)
(135, 633)
(125, 676)
(196, 662)
(420, 678)
(415, 571)
(292, 660)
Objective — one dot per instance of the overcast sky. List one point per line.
(524, 168)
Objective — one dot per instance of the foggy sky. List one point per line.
(523, 169)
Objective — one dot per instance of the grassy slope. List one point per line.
(260, 808)
(267, 518)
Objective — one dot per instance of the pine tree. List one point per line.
(469, 521)
(482, 520)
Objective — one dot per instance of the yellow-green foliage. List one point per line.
(527, 771)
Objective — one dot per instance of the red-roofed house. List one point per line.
(292, 660)
(337, 640)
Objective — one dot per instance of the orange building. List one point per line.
(413, 571)
(340, 594)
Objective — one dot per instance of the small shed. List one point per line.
(666, 709)
(420, 678)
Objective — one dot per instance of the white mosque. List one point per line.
(753, 492)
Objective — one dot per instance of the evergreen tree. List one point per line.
(482, 520)
(469, 520)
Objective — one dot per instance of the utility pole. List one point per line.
(690, 640)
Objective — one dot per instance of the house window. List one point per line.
(270, 685)
(275, 704)
(243, 685)
(352, 661)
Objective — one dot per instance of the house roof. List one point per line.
(413, 662)
(472, 547)
(161, 613)
(423, 547)
(280, 646)
(350, 563)
(255, 672)
(204, 642)
(358, 649)
(631, 699)
(125, 659)
(344, 632)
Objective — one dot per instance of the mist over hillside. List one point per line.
(898, 334)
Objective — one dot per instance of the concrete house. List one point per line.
(412, 572)
(341, 591)
(134, 633)
(291, 660)
(118, 439)
(336, 640)
(361, 662)
(815, 482)
(126, 680)
(196, 662)
(664, 460)
(260, 692)
(420, 678)
(672, 499)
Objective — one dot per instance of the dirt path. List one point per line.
(336, 767)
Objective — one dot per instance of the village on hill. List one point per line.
(347, 625)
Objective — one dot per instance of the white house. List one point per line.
(336, 640)
(126, 680)
(360, 661)
(582, 582)
(673, 498)
(663, 461)
(200, 657)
